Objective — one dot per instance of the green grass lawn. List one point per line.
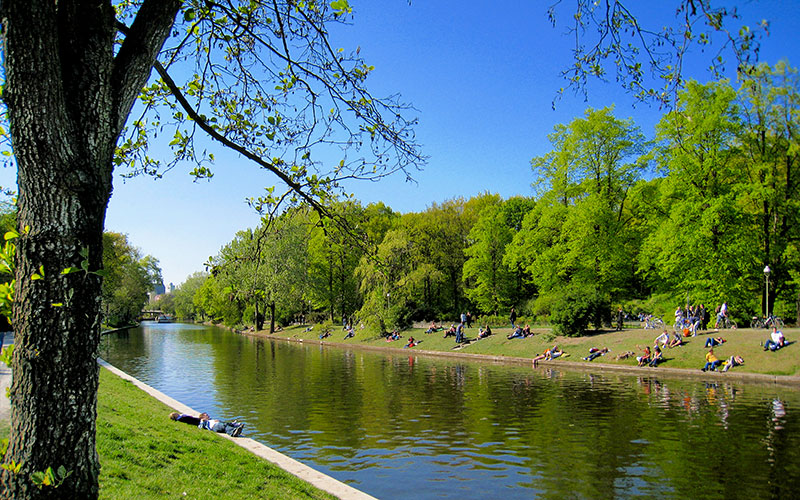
(143, 454)
(744, 342)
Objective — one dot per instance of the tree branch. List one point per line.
(136, 56)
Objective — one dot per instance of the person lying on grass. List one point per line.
(433, 328)
(548, 355)
(516, 334)
(594, 353)
(732, 362)
(714, 341)
(204, 421)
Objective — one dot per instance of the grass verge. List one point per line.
(143, 454)
(744, 342)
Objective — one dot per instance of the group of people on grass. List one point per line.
(689, 320)
(459, 331)
(520, 332)
(775, 341)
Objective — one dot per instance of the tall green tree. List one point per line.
(491, 283)
(580, 231)
(335, 248)
(698, 247)
(129, 277)
(769, 98)
(183, 296)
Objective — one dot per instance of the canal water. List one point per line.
(403, 426)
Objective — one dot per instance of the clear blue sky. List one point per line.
(481, 74)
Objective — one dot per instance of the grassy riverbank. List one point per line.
(744, 342)
(144, 454)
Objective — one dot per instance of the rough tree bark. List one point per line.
(68, 96)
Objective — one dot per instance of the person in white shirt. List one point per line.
(775, 341)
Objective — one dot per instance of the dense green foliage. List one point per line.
(692, 217)
(128, 278)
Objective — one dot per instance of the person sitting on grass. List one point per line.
(595, 353)
(732, 362)
(325, 334)
(451, 332)
(204, 421)
(657, 357)
(677, 340)
(516, 334)
(526, 332)
(411, 343)
(775, 341)
(484, 332)
(711, 361)
(350, 333)
(662, 339)
(645, 357)
(714, 341)
(433, 328)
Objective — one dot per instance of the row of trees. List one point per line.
(690, 217)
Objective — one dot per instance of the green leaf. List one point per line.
(70, 270)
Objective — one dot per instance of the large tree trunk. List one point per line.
(63, 143)
(67, 100)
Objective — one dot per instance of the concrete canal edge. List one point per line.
(290, 465)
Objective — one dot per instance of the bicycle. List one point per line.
(768, 322)
(725, 323)
(653, 322)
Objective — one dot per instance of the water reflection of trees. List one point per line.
(554, 432)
